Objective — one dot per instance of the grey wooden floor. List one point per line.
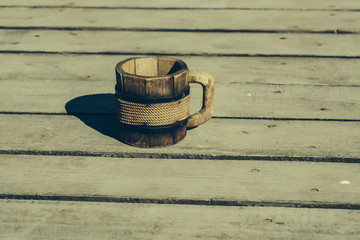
(280, 158)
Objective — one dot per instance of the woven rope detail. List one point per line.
(154, 114)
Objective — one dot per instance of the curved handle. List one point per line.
(208, 83)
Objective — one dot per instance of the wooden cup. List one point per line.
(153, 100)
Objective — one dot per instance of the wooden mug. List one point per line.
(152, 96)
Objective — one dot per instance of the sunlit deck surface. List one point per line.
(280, 158)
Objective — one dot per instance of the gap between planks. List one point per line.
(179, 156)
(203, 54)
(199, 21)
(184, 8)
(191, 202)
(218, 30)
(187, 44)
(304, 5)
(99, 114)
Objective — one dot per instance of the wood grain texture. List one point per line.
(257, 20)
(74, 220)
(250, 87)
(187, 43)
(231, 100)
(217, 136)
(57, 52)
(207, 83)
(180, 179)
(151, 79)
(269, 70)
(282, 4)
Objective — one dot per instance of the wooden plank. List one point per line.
(218, 136)
(281, 4)
(227, 70)
(180, 179)
(78, 220)
(187, 43)
(231, 100)
(251, 87)
(242, 20)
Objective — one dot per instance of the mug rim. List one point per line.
(183, 65)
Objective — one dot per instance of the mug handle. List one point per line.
(207, 81)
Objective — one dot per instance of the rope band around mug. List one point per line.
(152, 114)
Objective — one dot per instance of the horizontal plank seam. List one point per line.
(179, 156)
(199, 30)
(291, 119)
(209, 202)
(100, 114)
(180, 54)
(292, 84)
(235, 83)
(188, 8)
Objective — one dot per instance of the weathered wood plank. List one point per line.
(250, 87)
(180, 179)
(231, 100)
(78, 220)
(218, 136)
(183, 43)
(256, 20)
(282, 4)
(229, 70)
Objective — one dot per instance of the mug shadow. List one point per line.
(96, 111)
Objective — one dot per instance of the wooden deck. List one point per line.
(280, 159)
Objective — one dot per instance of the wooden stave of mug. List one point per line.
(152, 80)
